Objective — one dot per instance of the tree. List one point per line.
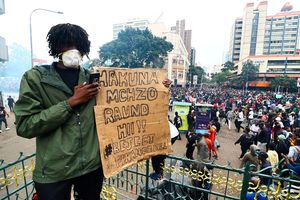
(135, 48)
(284, 81)
(249, 71)
(221, 78)
(228, 66)
(92, 63)
(196, 70)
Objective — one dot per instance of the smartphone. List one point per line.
(94, 78)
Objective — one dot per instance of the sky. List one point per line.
(210, 21)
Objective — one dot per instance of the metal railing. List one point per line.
(16, 178)
(183, 179)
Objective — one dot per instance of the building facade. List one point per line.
(256, 33)
(270, 41)
(177, 62)
(141, 24)
(271, 66)
(193, 56)
(235, 40)
(3, 46)
(186, 35)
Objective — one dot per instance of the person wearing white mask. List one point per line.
(56, 107)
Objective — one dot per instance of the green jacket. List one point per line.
(66, 139)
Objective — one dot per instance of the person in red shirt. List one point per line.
(212, 137)
(209, 145)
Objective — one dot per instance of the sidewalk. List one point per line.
(11, 145)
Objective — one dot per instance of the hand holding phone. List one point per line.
(94, 78)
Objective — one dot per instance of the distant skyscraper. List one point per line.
(271, 42)
(235, 40)
(141, 24)
(186, 35)
(193, 56)
(258, 34)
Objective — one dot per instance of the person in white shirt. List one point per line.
(294, 151)
(250, 116)
(254, 129)
(239, 120)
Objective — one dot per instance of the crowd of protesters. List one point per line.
(269, 125)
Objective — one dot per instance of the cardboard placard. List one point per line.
(131, 117)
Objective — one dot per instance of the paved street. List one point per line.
(11, 145)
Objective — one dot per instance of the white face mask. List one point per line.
(71, 58)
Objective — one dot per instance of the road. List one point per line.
(11, 145)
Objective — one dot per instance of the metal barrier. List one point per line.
(16, 178)
(183, 179)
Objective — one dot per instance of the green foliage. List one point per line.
(284, 82)
(228, 66)
(221, 78)
(249, 71)
(196, 70)
(135, 48)
(92, 63)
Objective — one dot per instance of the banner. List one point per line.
(195, 79)
(131, 117)
(183, 110)
(202, 117)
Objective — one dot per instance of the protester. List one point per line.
(55, 106)
(212, 130)
(10, 103)
(203, 153)
(191, 120)
(273, 157)
(52, 99)
(3, 116)
(191, 144)
(263, 138)
(251, 157)
(265, 168)
(239, 120)
(177, 123)
(159, 161)
(230, 117)
(254, 192)
(245, 140)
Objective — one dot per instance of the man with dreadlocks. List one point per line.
(56, 107)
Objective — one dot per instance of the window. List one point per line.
(291, 29)
(279, 24)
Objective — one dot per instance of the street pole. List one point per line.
(30, 29)
(285, 64)
(201, 81)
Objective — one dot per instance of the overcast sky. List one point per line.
(209, 20)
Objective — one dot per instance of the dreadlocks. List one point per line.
(67, 35)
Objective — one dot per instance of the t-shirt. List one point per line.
(10, 101)
(293, 153)
(69, 76)
(240, 117)
(2, 114)
(273, 158)
(173, 130)
(251, 114)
